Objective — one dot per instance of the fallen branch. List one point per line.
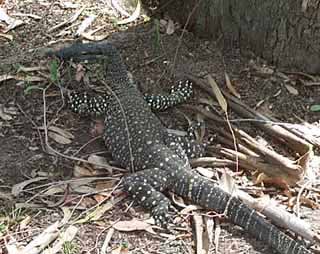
(252, 154)
(280, 216)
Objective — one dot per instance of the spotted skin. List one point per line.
(85, 104)
(137, 140)
(192, 148)
(88, 104)
(178, 94)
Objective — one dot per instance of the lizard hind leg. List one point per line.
(145, 187)
(191, 148)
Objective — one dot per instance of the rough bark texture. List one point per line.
(286, 33)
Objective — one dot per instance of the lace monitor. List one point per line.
(137, 140)
(88, 104)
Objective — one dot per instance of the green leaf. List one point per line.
(54, 71)
(315, 108)
(30, 88)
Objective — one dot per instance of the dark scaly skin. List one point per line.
(178, 94)
(98, 104)
(137, 140)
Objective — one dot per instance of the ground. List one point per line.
(152, 56)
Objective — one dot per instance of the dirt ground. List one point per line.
(150, 56)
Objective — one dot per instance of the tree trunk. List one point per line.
(286, 33)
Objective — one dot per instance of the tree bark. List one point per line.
(285, 33)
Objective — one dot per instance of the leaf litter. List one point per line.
(266, 72)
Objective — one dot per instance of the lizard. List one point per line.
(138, 141)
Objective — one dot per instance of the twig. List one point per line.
(280, 216)
(125, 121)
(34, 124)
(107, 240)
(183, 32)
(84, 145)
(51, 150)
(212, 162)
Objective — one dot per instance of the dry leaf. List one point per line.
(89, 36)
(118, 7)
(24, 223)
(81, 181)
(230, 86)
(42, 240)
(292, 90)
(216, 90)
(263, 71)
(304, 5)
(100, 211)
(178, 200)
(66, 215)
(209, 223)
(98, 160)
(107, 240)
(21, 78)
(29, 78)
(7, 113)
(260, 103)
(277, 93)
(80, 72)
(101, 198)
(62, 132)
(105, 185)
(217, 233)
(170, 27)
(7, 36)
(58, 138)
(64, 236)
(31, 69)
(12, 246)
(198, 225)
(84, 189)
(133, 17)
(11, 22)
(79, 171)
(18, 188)
(86, 203)
(97, 213)
(54, 190)
(59, 135)
(27, 206)
(117, 250)
(189, 209)
(33, 16)
(85, 24)
(133, 225)
(69, 21)
(6, 77)
(207, 172)
(228, 184)
(309, 203)
(5, 196)
(68, 5)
